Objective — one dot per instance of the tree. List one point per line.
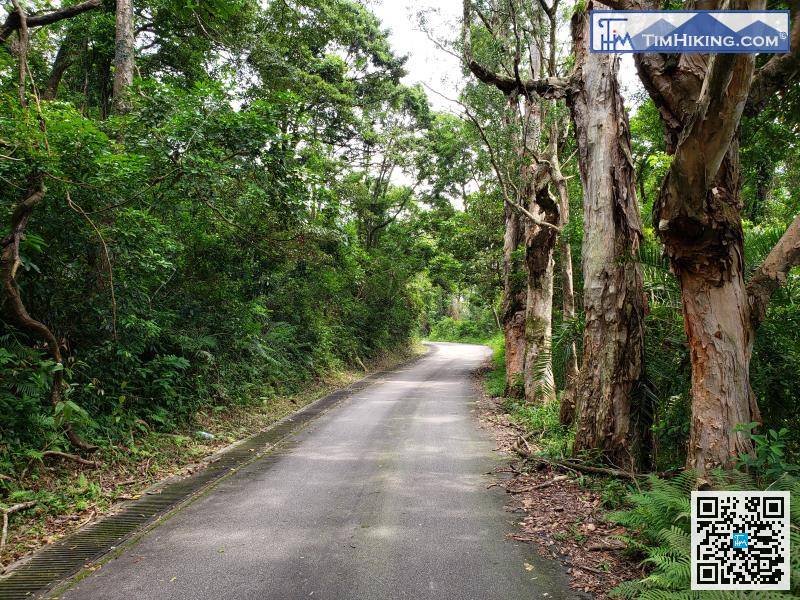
(610, 411)
(532, 215)
(123, 55)
(697, 215)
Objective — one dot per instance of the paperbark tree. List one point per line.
(527, 314)
(698, 218)
(609, 415)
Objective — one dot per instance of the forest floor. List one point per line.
(87, 493)
(562, 515)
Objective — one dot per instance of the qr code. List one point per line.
(740, 540)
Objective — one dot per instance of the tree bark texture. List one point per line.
(123, 56)
(514, 300)
(698, 218)
(610, 414)
(539, 245)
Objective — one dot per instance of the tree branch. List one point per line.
(549, 87)
(10, 510)
(778, 73)
(13, 22)
(773, 272)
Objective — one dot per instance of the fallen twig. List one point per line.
(10, 510)
(72, 457)
(608, 544)
(590, 569)
(552, 481)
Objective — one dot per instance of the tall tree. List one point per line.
(698, 218)
(532, 216)
(610, 416)
(124, 41)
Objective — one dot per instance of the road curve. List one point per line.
(382, 497)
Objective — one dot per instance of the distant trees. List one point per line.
(600, 397)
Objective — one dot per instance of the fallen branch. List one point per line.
(10, 510)
(609, 544)
(571, 465)
(72, 457)
(590, 569)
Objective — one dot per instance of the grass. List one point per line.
(541, 420)
(68, 496)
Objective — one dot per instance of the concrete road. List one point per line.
(382, 497)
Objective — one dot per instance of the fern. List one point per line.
(659, 519)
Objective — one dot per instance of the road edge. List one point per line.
(55, 568)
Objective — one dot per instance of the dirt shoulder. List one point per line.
(69, 496)
(559, 513)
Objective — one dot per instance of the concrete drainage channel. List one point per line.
(59, 561)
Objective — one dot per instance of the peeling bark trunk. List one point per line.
(513, 314)
(123, 56)
(539, 244)
(698, 217)
(706, 249)
(610, 418)
(720, 343)
(567, 411)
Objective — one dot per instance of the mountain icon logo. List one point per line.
(689, 31)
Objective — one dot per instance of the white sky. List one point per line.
(433, 66)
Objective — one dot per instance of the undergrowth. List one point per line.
(659, 521)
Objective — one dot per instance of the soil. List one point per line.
(87, 493)
(564, 519)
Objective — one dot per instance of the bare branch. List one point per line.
(778, 73)
(550, 87)
(773, 272)
(13, 23)
(10, 510)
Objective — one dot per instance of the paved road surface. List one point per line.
(382, 497)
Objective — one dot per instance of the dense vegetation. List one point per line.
(252, 219)
(213, 204)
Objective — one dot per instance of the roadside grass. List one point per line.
(68, 495)
(654, 511)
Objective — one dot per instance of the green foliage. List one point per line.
(541, 421)
(236, 235)
(768, 461)
(658, 518)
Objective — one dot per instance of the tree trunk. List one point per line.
(567, 410)
(609, 419)
(720, 343)
(123, 56)
(514, 297)
(539, 244)
(64, 59)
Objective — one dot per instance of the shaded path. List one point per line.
(382, 497)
